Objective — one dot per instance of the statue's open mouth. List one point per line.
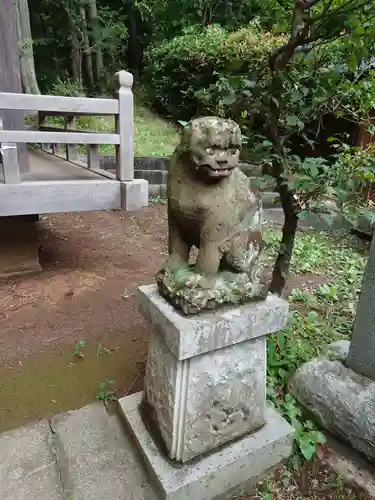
(221, 171)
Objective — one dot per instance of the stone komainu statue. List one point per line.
(211, 206)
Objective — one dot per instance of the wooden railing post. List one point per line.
(41, 122)
(71, 149)
(125, 128)
(11, 167)
(93, 156)
(56, 149)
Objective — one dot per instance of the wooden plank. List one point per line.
(47, 167)
(74, 114)
(26, 136)
(76, 105)
(11, 167)
(104, 173)
(59, 196)
(99, 171)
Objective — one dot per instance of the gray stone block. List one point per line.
(270, 200)
(134, 195)
(208, 400)
(187, 337)
(28, 469)
(152, 176)
(320, 223)
(340, 399)
(95, 459)
(108, 162)
(151, 163)
(216, 474)
(154, 190)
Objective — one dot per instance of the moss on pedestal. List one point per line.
(191, 293)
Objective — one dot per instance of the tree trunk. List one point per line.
(76, 57)
(134, 50)
(75, 45)
(25, 44)
(282, 264)
(94, 20)
(10, 75)
(278, 170)
(87, 50)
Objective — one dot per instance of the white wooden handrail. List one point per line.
(60, 104)
(121, 108)
(29, 136)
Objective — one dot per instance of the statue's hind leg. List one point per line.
(243, 254)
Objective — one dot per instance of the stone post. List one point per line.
(202, 423)
(362, 347)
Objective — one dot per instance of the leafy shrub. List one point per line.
(67, 87)
(200, 58)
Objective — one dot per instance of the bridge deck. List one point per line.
(46, 167)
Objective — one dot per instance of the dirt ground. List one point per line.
(93, 264)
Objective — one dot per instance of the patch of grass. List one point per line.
(153, 135)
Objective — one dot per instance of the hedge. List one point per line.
(176, 69)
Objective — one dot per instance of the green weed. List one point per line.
(158, 199)
(78, 349)
(107, 392)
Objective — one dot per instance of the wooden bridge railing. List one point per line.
(71, 107)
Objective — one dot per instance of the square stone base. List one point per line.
(214, 475)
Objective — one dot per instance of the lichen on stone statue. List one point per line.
(213, 207)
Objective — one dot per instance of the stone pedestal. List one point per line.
(205, 379)
(205, 397)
